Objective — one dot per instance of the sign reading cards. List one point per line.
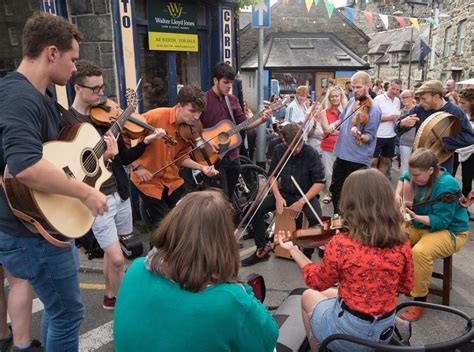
(172, 26)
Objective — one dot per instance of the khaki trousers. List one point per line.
(426, 247)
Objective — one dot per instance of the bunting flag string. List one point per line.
(369, 16)
(401, 21)
(329, 8)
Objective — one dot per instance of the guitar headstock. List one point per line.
(132, 96)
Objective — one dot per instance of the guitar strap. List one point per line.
(30, 221)
(66, 115)
(227, 102)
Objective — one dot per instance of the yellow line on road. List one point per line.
(246, 251)
(92, 286)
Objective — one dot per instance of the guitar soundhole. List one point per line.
(223, 138)
(89, 161)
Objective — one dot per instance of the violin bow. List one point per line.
(257, 203)
(307, 201)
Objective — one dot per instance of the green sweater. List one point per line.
(155, 314)
(449, 216)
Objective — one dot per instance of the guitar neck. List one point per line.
(243, 125)
(116, 128)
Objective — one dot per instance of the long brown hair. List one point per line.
(423, 159)
(195, 242)
(368, 207)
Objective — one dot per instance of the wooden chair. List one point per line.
(286, 223)
(446, 276)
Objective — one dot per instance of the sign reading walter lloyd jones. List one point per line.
(172, 26)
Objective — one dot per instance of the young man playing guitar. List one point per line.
(117, 220)
(28, 119)
(160, 191)
(222, 105)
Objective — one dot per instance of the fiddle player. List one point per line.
(438, 228)
(222, 105)
(306, 167)
(117, 221)
(431, 100)
(161, 191)
(355, 145)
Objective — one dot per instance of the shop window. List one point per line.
(154, 66)
(291, 80)
(188, 68)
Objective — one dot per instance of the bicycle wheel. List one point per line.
(251, 179)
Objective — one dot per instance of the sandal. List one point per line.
(327, 198)
(412, 313)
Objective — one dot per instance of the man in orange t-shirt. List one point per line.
(161, 191)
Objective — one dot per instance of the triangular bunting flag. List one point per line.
(308, 3)
(329, 8)
(349, 13)
(414, 22)
(285, 2)
(316, 2)
(368, 16)
(401, 21)
(384, 19)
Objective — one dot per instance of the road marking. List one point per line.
(96, 338)
(92, 286)
(246, 251)
(37, 306)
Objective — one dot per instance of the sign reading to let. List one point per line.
(172, 26)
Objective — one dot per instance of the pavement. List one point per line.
(282, 276)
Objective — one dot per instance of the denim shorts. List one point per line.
(326, 320)
(117, 220)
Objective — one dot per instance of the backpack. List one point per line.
(91, 246)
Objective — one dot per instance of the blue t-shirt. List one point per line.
(27, 120)
(346, 147)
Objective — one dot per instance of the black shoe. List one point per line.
(308, 252)
(254, 259)
(34, 347)
(6, 342)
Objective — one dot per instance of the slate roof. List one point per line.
(305, 50)
(398, 40)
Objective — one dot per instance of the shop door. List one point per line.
(321, 83)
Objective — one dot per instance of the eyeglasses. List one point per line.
(95, 89)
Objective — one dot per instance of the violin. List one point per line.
(107, 112)
(361, 109)
(202, 151)
(312, 237)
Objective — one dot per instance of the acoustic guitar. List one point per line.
(227, 135)
(78, 152)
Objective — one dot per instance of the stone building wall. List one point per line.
(295, 18)
(443, 67)
(94, 19)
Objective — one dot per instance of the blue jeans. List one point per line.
(53, 273)
(328, 318)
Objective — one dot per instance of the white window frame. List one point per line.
(13, 35)
(461, 37)
(447, 38)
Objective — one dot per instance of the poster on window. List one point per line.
(172, 26)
